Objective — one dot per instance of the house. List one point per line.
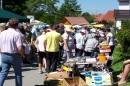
(123, 12)
(98, 17)
(109, 16)
(102, 18)
(74, 20)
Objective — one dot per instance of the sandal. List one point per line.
(119, 83)
(119, 76)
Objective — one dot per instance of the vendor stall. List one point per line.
(96, 75)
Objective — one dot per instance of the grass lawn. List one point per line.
(117, 66)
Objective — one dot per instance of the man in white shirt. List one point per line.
(80, 42)
(12, 52)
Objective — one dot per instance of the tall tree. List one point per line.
(88, 17)
(68, 8)
(43, 10)
(16, 6)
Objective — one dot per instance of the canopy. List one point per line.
(6, 15)
(98, 25)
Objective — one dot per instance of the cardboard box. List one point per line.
(54, 83)
(58, 75)
(100, 80)
(55, 78)
(73, 81)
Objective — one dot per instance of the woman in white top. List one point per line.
(68, 42)
(39, 43)
(110, 42)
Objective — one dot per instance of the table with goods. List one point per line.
(78, 73)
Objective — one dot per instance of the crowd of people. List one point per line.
(19, 44)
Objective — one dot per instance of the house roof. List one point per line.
(6, 15)
(109, 15)
(77, 20)
(99, 17)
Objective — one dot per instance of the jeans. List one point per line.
(79, 52)
(51, 61)
(68, 54)
(16, 61)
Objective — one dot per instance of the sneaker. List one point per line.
(40, 72)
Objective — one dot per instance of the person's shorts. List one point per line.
(41, 56)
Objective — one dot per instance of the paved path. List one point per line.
(30, 75)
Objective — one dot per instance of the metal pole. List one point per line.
(1, 4)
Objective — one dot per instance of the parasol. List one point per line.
(98, 25)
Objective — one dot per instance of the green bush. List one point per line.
(123, 37)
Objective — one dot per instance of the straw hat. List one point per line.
(69, 28)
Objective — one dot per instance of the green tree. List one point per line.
(123, 36)
(43, 10)
(110, 23)
(68, 8)
(88, 17)
(15, 6)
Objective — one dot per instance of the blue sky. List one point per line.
(96, 6)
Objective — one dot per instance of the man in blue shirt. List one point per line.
(34, 32)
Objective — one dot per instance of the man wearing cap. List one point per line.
(51, 45)
(12, 51)
(90, 35)
(80, 42)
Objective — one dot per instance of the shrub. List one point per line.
(123, 37)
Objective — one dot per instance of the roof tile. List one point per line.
(77, 20)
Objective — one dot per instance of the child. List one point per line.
(26, 51)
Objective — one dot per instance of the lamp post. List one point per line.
(1, 4)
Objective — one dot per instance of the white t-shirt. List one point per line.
(26, 48)
(69, 38)
(79, 41)
(111, 40)
(41, 42)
